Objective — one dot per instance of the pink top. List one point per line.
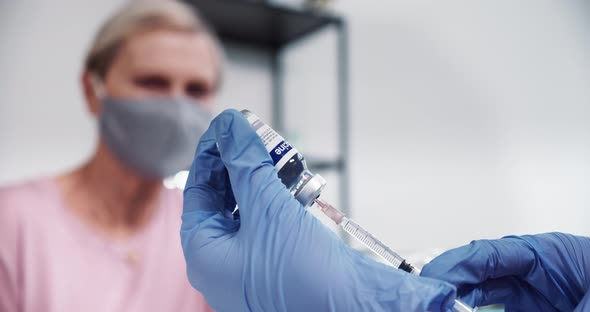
(51, 261)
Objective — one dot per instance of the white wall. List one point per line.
(44, 127)
(469, 119)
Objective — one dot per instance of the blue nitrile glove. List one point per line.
(546, 272)
(277, 256)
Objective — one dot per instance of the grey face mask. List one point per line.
(155, 137)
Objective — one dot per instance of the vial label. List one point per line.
(279, 150)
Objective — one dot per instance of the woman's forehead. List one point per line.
(171, 53)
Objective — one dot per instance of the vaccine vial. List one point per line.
(290, 164)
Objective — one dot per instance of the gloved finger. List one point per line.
(482, 260)
(414, 293)
(514, 293)
(252, 174)
(207, 187)
(208, 202)
(566, 258)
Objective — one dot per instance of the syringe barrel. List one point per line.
(379, 248)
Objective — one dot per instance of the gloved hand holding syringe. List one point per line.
(307, 187)
(376, 245)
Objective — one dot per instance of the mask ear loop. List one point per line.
(98, 86)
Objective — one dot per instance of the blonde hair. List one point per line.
(140, 17)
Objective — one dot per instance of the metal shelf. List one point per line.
(260, 23)
(325, 165)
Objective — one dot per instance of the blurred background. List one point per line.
(466, 119)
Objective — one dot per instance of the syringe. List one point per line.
(376, 245)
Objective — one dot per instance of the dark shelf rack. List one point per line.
(259, 23)
(272, 27)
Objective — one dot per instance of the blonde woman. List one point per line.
(104, 237)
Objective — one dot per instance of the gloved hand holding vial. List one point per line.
(307, 187)
(276, 256)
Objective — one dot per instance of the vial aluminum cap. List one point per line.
(311, 190)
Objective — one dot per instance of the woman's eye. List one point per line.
(152, 82)
(197, 90)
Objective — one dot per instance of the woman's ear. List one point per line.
(89, 86)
